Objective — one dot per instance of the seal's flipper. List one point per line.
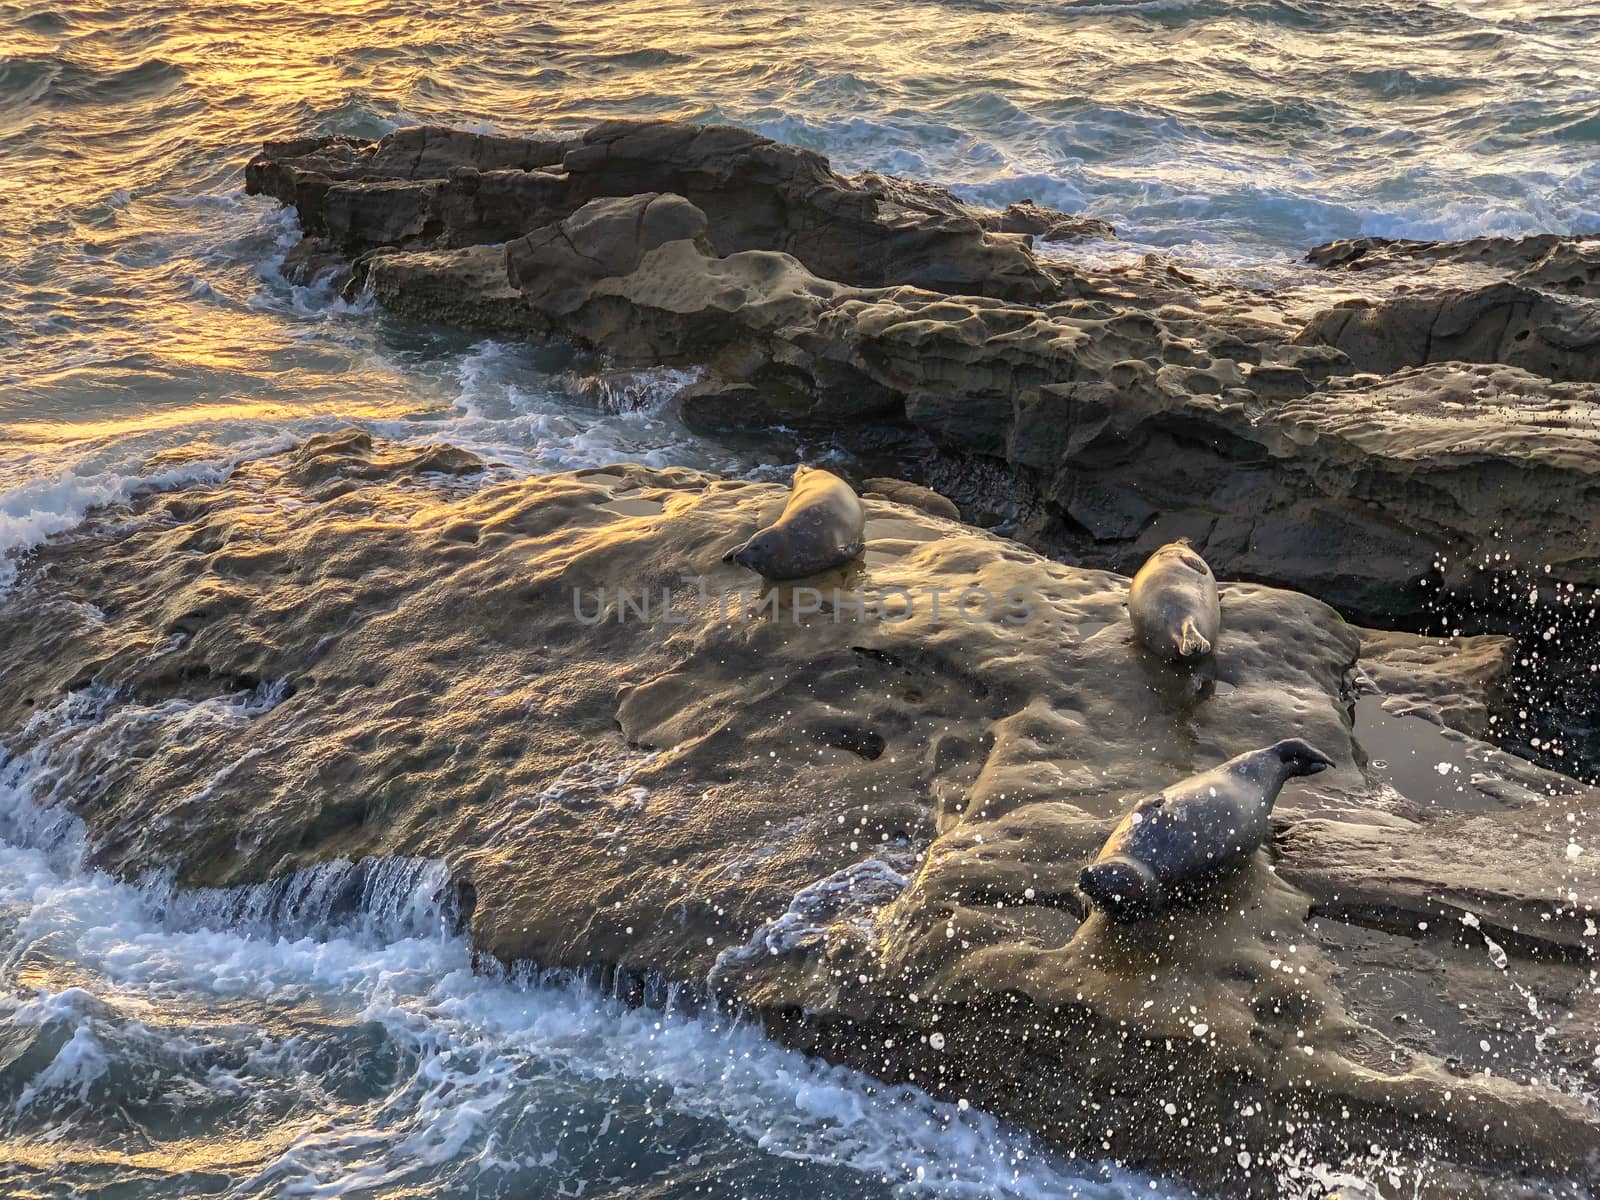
(1190, 642)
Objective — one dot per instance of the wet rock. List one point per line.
(1380, 495)
(462, 287)
(1097, 414)
(1499, 876)
(287, 168)
(414, 184)
(1440, 449)
(866, 829)
(914, 495)
(1546, 335)
(1355, 491)
(455, 189)
(1505, 255)
(1451, 682)
(1047, 224)
(557, 267)
(313, 260)
(1572, 268)
(1026, 217)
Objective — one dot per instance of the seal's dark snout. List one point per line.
(755, 555)
(1302, 758)
(1125, 889)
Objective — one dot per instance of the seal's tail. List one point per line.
(1190, 642)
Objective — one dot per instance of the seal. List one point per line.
(820, 528)
(1173, 604)
(1194, 831)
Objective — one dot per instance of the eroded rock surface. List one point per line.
(1357, 492)
(1496, 253)
(1096, 413)
(866, 829)
(423, 185)
(1546, 334)
(1451, 682)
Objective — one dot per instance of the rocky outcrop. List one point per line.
(1366, 491)
(1096, 414)
(1547, 335)
(1471, 461)
(1025, 217)
(1498, 254)
(858, 814)
(1451, 682)
(441, 187)
(1572, 268)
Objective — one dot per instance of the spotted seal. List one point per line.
(821, 527)
(1194, 831)
(1173, 604)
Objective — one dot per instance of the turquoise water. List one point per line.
(147, 337)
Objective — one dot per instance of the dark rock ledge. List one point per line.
(868, 832)
(1377, 455)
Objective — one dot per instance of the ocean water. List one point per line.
(329, 1036)
(142, 315)
(151, 1048)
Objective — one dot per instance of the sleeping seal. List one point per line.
(821, 528)
(1173, 604)
(1205, 826)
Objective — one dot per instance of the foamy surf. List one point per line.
(336, 1018)
(50, 491)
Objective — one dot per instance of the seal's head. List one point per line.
(1300, 757)
(1124, 887)
(758, 554)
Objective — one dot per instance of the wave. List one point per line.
(142, 81)
(54, 496)
(343, 995)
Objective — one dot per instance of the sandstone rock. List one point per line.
(1442, 448)
(1448, 681)
(866, 829)
(1572, 268)
(408, 174)
(463, 287)
(1497, 253)
(913, 495)
(1502, 323)
(1026, 217)
(427, 188)
(1095, 414)
(1355, 492)
(557, 267)
(1047, 224)
(1496, 878)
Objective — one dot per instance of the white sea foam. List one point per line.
(314, 298)
(374, 941)
(53, 491)
(850, 896)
